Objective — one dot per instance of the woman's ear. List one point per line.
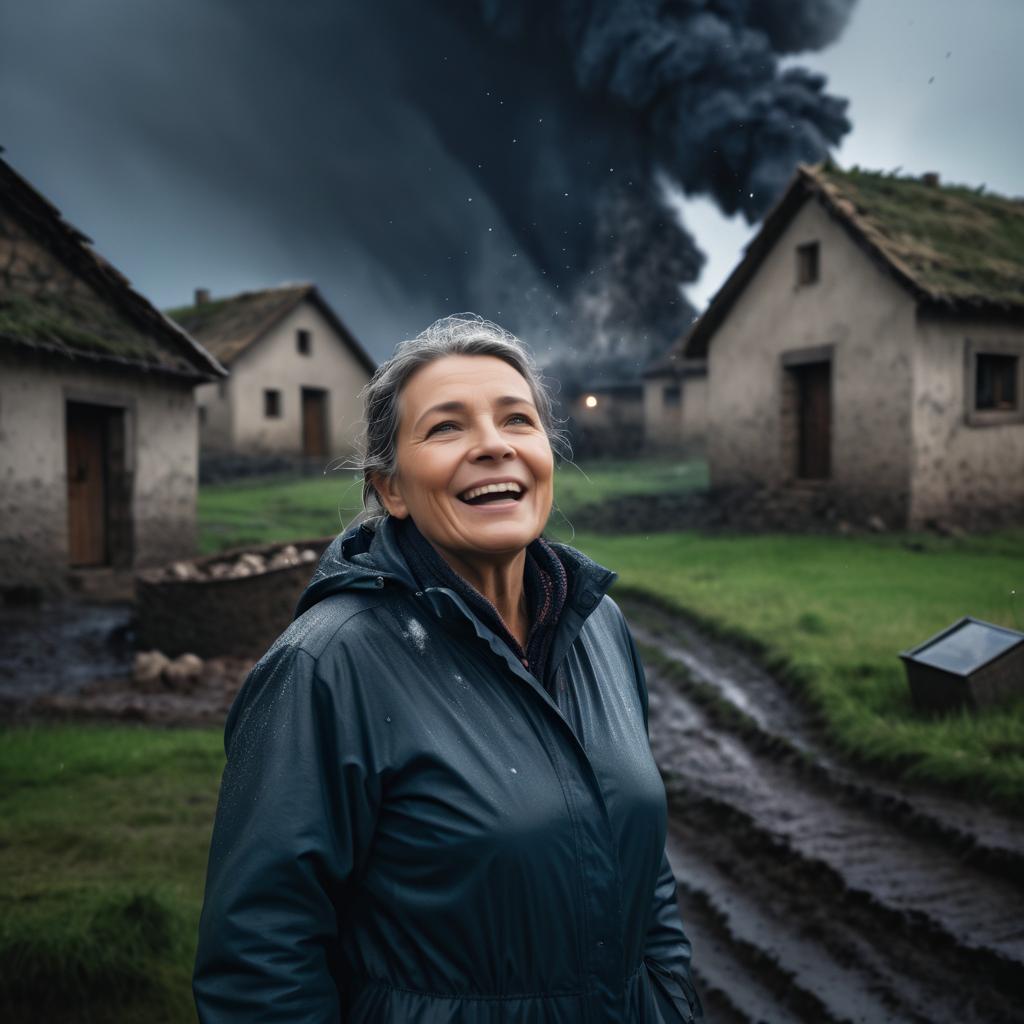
(390, 494)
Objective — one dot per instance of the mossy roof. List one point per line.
(92, 312)
(228, 326)
(960, 246)
(957, 250)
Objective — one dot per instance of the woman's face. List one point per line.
(474, 468)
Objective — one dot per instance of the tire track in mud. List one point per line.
(812, 893)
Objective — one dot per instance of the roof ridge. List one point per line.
(75, 250)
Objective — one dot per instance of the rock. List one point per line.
(308, 555)
(183, 673)
(147, 670)
(844, 528)
(183, 571)
(256, 563)
(876, 524)
(219, 570)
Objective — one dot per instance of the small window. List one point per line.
(995, 382)
(222, 388)
(807, 260)
(271, 403)
(304, 342)
(671, 395)
(202, 415)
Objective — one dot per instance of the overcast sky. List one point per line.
(132, 115)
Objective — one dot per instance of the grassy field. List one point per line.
(830, 614)
(103, 842)
(260, 512)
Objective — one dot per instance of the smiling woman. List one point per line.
(440, 802)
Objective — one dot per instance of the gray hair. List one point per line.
(463, 334)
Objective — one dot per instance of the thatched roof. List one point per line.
(228, 326)
(59, 296)
(957, 250)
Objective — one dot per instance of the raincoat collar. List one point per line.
(367, 556)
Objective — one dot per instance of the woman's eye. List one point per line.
(441, 427)
(519, 418)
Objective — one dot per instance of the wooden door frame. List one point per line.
(323, 395)
(121, 469)
(791, 361)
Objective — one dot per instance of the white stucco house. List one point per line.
(98, 425)
(870, 344)
(675, 409)
(295, 373)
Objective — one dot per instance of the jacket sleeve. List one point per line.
(666, 947)
(296, 811)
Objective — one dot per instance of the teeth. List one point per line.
(492, 489)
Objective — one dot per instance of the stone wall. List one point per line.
(861, 320)
(968, 468)
(160, 464)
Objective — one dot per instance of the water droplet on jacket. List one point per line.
(387, 718)
(513, 771)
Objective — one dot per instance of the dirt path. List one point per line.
(813, 893)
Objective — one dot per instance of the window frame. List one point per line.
(808, 264)
(975, 348)
(272, 404)
(304, 341)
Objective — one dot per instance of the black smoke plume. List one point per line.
(417, 157)
(614, 100)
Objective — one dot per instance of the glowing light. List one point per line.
(590, 401)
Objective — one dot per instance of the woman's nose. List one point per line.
(489, 443)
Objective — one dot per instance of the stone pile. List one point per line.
(154, 672)
(742, 509)
(249, 563)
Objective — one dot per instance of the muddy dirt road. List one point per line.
(810, 892)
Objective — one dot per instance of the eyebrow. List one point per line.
(503, 401)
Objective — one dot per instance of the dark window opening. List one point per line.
(995, 382)
(304, 342)
(672, 394)
(202, 415)
(271, 404)
(222, 388)
(807, 263)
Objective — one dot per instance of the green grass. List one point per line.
(261, 512)
(831, 614)
(103, 842)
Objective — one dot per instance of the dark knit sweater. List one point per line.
(544, 581)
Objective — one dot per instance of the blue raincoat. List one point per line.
(411, 830)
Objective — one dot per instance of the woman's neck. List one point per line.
(500, 580)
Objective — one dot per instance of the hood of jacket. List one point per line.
(367, 557)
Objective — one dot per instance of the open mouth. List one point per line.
(489, 493)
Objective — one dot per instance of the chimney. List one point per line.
(202, 296)
(930, 178)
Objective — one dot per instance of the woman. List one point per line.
(439, 803)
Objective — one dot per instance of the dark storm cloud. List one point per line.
(456, 154)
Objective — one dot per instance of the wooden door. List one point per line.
(814, 409)
(87, 484)
(314, 422)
